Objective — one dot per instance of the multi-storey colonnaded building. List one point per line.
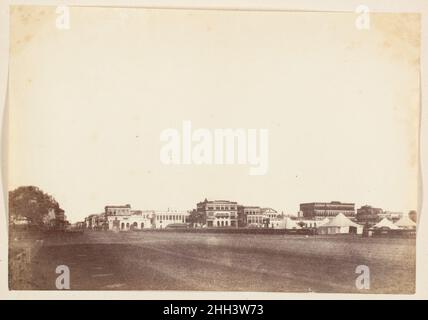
(320, 210)
(224, 213)
(219, 213)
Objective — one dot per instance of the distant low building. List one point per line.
(391, 215)
(320, 210)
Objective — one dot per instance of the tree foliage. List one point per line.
(413, 215)
(32, 203)
(196, 217)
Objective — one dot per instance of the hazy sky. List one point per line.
(87, 106)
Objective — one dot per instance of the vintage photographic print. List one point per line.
(179, 149)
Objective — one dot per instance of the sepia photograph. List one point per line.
(212, 150)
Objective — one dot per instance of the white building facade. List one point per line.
(163, 219)
(130, 222)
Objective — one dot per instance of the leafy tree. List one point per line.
(196, 218)
(32, 203)
(301, 224)
(413, 215)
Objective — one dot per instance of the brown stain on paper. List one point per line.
(402, 35)
(401, 42)
(25, 24)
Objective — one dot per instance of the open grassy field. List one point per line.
(230, 262)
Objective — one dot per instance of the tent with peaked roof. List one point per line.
(323, 222)
(385, 223)
(340, 224)
(405, 222)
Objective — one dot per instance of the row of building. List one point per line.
(230, 214)
(364, 215)
(211, 214)
(122, 217)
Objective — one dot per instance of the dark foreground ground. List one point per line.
(226, 262)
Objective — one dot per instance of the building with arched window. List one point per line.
(131, 221)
